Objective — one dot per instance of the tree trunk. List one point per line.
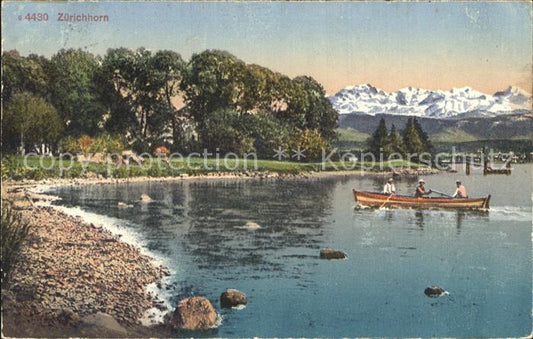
(22, 150)
(176, 140)
(176, 132)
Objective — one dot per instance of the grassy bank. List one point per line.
(38, 168)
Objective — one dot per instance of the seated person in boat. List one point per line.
(460, 192)
(389, 187)
(421, 190)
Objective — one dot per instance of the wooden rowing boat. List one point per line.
(380, 199)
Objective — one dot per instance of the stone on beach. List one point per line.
(434, 291)
(23, 204)
(102, 325)
(332, 254)
(194, 313)
(232, 298)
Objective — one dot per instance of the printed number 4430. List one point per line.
(36, 17)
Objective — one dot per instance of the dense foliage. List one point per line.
(31, 120)
(151, 100)
(409, 145)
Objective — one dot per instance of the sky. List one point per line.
(391, 45)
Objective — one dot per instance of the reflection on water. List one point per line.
(288, 214)
(263, 237)
(391, 215)
(419, 216)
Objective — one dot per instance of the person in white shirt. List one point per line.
(389, 187)
(460, 192)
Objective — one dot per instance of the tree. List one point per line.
(396, 144)
(221, 131)
(428, 147)
(255, 95)
(320, 114)
(23, 74)
(167, 72)
(302, 103)
(32, 119)
(115, 80)
(137, 89)
(414, 145)
(267, 132)
(213, 81)
(379, 140)
(72, 91)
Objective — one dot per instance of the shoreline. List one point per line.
(70, 269)
(80, 249)
(246, 175)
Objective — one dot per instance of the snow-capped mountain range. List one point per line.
(455, 103)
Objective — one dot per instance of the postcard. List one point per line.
(267, 169)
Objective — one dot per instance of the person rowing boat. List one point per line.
(421, 190)
(389, 187)
(460, 192)
(381, 200)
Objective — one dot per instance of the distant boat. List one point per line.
(489, 170)
(385, 200)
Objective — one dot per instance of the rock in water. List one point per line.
(434, 291)
(101, 325)
(332, 254)
(232, 298)
(251, 225)
(195, 313)
(145, 197)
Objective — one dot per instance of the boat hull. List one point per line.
(506, 171)
(385, 200)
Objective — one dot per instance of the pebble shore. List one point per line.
(69, 269)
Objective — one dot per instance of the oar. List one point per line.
(444, 194)
(380, 207)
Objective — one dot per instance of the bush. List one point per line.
(70, 145)
(87, 145)
(11, 168)
(38, 174)
(13, 234)
(107, 144)
(161, 151)
(311, 142)
(74, 172)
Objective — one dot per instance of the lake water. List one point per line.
(197, 228)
